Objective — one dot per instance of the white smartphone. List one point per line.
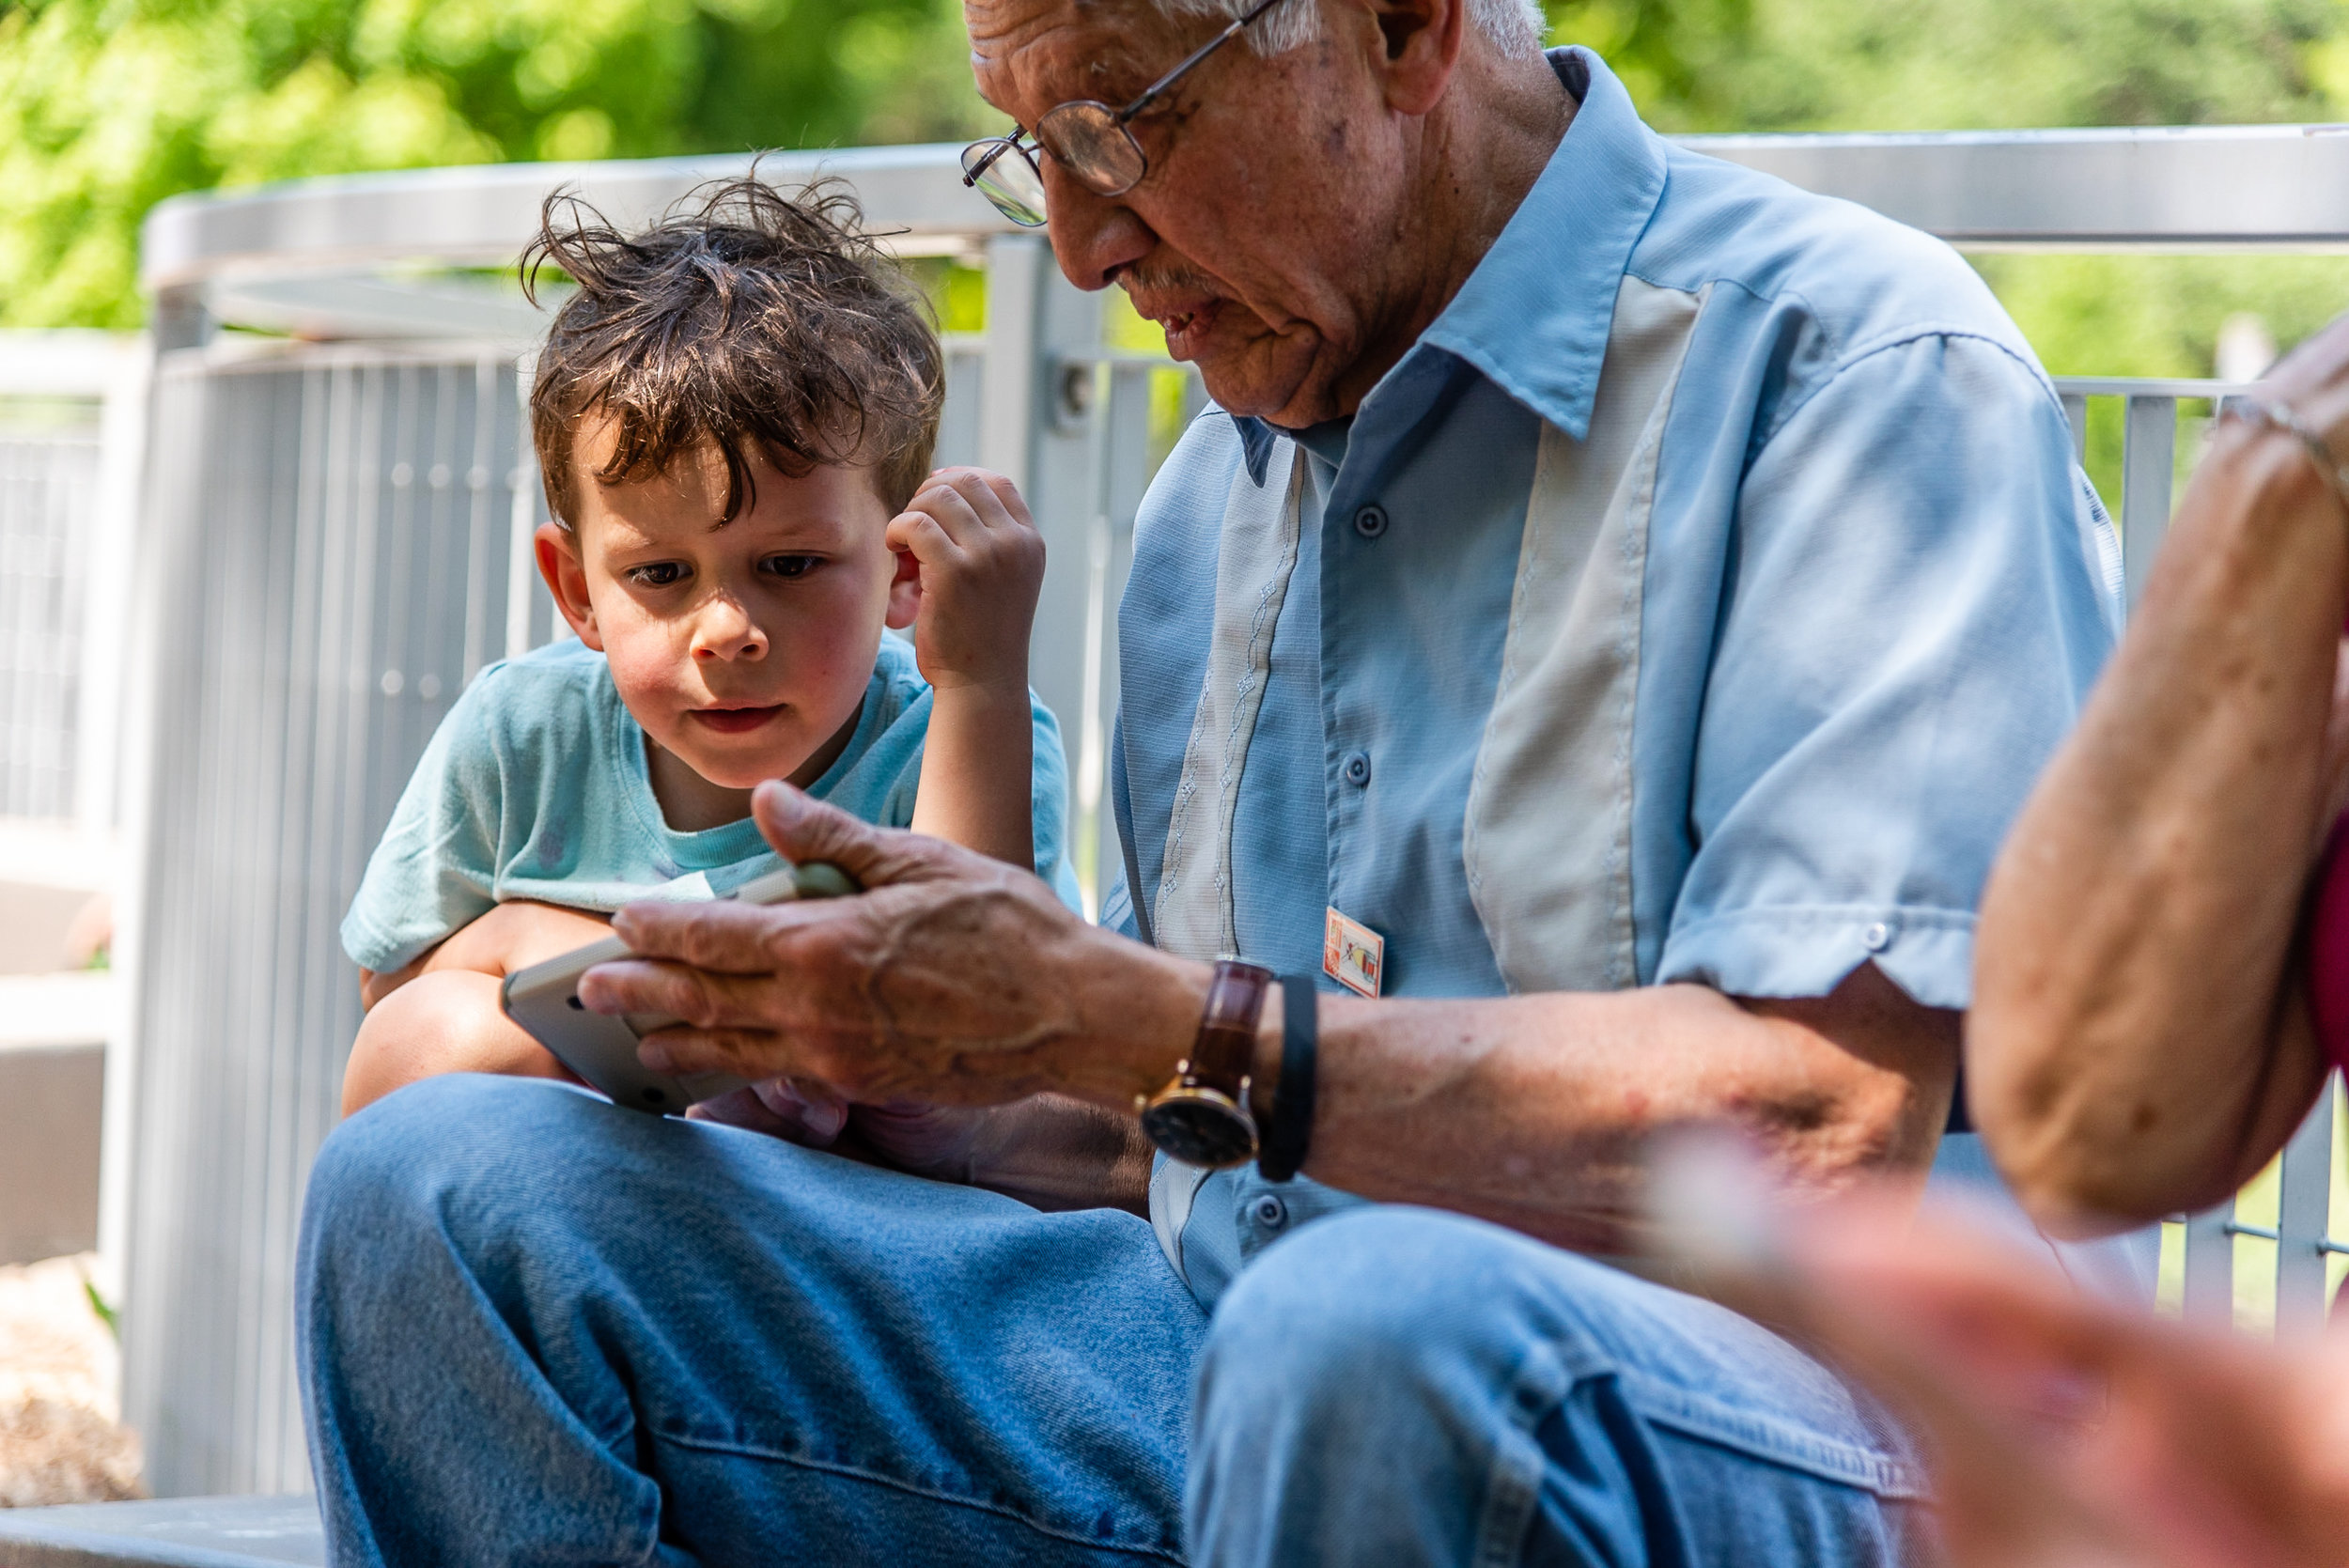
(602, 1048)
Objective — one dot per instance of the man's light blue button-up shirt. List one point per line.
(1874, 593)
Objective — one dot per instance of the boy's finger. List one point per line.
(951, 509)
(992, 499)
(989, 491)
(922, 536)
(1007, 495)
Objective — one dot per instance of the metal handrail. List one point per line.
(340, 256)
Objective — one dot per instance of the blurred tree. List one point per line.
(108, 106)
(1895, 65)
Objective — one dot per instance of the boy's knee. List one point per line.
(445, 1022)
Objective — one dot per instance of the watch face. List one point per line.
(1200, 1126)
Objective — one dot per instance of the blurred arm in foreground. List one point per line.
(2064, 1431)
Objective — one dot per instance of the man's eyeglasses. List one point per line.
(1090, 140)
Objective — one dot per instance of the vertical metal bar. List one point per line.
(1195, 396)
(2148, 468)
(2302, 1220)
(2075, 414)
(1008, 414)
(521, 521)
(486, 389)
(292, 1043)
(121, 458)
(276, 1050)
(1063, 484)
(959, 421)
(2210, 1266)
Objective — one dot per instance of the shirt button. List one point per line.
(1269, 1212)
(1358, 769)
(1876, 938)
(1371, 521)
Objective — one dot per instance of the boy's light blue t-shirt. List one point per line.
(535, 788)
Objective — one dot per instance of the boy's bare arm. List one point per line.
(981, 563)
(440, 1013)
(508, 937)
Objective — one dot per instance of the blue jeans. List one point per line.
(539, 1330)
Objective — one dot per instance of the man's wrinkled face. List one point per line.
(1262, 236)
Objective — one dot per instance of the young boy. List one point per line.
(733, 417)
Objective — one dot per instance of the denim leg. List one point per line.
(538, 1330)
(1397, 1386)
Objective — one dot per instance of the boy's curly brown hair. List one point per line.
(742, 318)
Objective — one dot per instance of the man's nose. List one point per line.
(1092, 235)
(724, 631)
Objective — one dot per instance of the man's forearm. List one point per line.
(1533, 1112)
(2138, 1042)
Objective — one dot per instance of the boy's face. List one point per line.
(742, 648)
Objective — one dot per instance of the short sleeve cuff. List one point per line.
(380, 951)
(1807, 950)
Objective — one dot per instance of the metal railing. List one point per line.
(71, 410)
(48, 483)
(285, 691)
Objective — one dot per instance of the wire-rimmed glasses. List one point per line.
(1092, 141)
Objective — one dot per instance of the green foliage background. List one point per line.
(106, 106)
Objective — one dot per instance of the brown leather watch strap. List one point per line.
(1225, 1053)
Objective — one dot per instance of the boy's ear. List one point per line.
(905, 592)
(566, 580)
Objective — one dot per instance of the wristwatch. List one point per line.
(1202, 1117)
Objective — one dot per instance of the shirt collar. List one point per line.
(1534, 314)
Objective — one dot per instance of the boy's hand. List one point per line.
(981, 564)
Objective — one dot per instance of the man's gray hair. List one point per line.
(1512, 26)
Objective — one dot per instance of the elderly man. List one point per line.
(1608, 627)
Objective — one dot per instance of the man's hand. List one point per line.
(954, 979)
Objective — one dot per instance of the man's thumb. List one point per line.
(802, 829)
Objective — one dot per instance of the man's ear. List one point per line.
(566, 580)
(905, 592)
(1423, 41)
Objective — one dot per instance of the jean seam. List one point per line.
(1771, 1442)
(855, 1472)
(1541, 1381)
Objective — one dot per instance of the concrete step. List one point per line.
(172, 1532)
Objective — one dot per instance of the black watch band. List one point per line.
(1290, 1127)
